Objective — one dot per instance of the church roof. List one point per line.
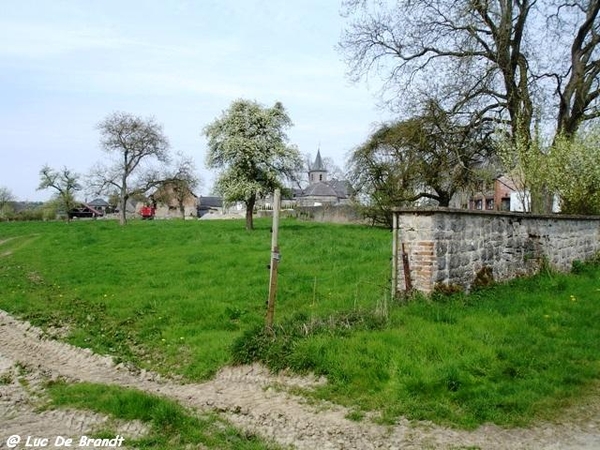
(320, 189)
(318, 164)
(341, 187)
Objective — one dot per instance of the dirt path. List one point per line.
(254, 400)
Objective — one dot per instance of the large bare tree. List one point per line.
(510, 62)
(429, 156)
(134, 144)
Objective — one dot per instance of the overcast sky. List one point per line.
(65, 65)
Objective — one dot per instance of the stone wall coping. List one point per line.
(437, 210)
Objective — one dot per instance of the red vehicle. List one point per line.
(147, 212)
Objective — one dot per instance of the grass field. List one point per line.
(173, 295)
(188, 297)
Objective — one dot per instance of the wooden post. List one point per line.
(275, 257)
(394, 255)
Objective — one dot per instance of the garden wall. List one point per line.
(454, 247)
(330, 213)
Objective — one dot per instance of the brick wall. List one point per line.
(452, 246)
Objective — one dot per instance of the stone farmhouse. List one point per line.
(166, 203)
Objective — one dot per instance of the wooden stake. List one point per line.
(275, 257)
(395, 256)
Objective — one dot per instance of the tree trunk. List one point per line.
(249, 212)
(123, 210)
(444, 199)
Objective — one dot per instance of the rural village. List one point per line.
(436, 287)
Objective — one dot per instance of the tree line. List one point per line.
(480, 88)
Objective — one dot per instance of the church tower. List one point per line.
(317, 172)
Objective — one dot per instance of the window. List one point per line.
(489, 203)
(321, 177)
(479, 204)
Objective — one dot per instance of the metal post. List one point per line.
(406, 268)
(275, 257)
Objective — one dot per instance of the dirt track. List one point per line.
(250, 398)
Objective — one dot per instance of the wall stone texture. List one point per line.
(454, 247)
(330, 213)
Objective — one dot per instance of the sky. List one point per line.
(65, 65)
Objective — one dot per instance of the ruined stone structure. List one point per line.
(452, 247)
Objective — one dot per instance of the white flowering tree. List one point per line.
(249, 145)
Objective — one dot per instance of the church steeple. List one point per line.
(317, 171)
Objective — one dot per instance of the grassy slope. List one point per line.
(175, 295)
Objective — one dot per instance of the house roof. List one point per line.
(98, 202)
(297, 192)
(208, 202)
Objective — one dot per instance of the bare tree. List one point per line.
(6, 197)
(179, 186)
(429, 156)
(65, 183)
(500, 61)
(133, 143)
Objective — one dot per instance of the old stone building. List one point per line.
(320, 190)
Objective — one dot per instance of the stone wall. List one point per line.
(446, 246)
(330, 213)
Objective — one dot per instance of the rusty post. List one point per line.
(406, 266)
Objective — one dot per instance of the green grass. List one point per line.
(173, 295)
(188, 297)
(170, 425)
(507, 355)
